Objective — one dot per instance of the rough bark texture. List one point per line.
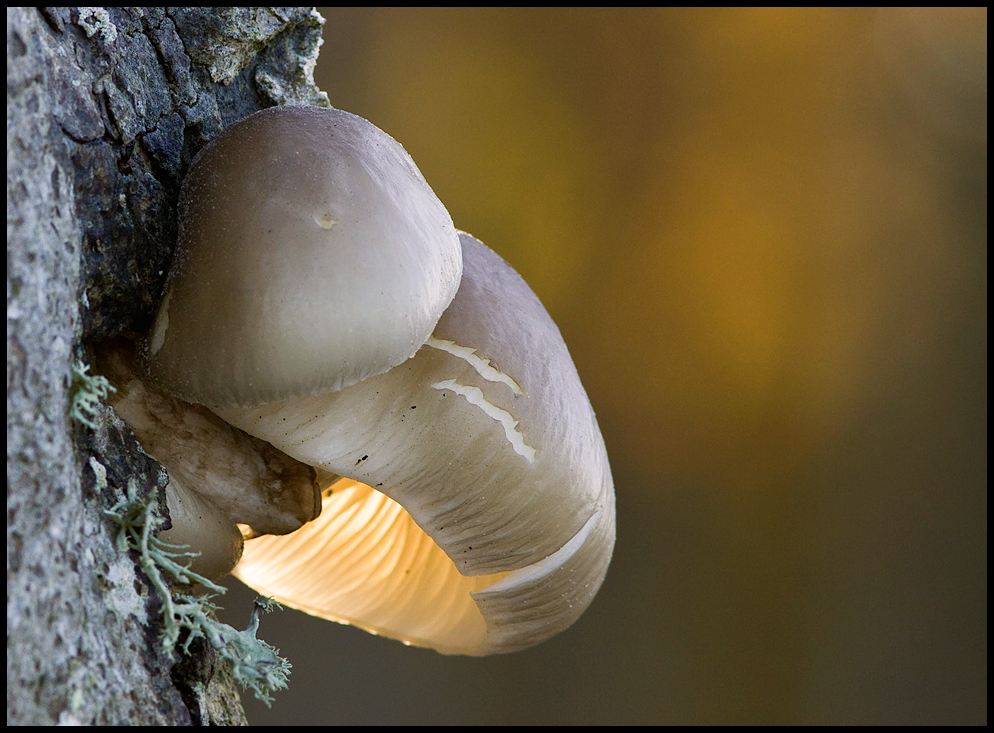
(105, 108)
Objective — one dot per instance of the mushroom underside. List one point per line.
(366, 563)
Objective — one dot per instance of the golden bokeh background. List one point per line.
(763, 234)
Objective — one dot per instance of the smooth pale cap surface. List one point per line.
(490, 454)
(312, 255)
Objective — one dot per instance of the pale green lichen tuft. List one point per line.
(87, 392)
(256, 665)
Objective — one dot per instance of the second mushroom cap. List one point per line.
(500, 521)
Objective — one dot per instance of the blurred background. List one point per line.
(763, 234)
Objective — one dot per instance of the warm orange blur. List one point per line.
(763, 235)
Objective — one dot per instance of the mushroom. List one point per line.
(467, 503)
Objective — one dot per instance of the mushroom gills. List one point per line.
(366, 563)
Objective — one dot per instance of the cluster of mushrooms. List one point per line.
(374, 400)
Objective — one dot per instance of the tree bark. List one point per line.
(105, 109)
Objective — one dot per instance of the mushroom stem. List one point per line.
(202, 528)
(219, 476)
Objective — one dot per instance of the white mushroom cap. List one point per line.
(500, 520)
(312, 255)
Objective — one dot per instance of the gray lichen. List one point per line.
(86, 394)
(97, 20)
(254, 663)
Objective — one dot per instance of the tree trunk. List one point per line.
(105, 109)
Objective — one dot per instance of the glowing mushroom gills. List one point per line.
(466, 498)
